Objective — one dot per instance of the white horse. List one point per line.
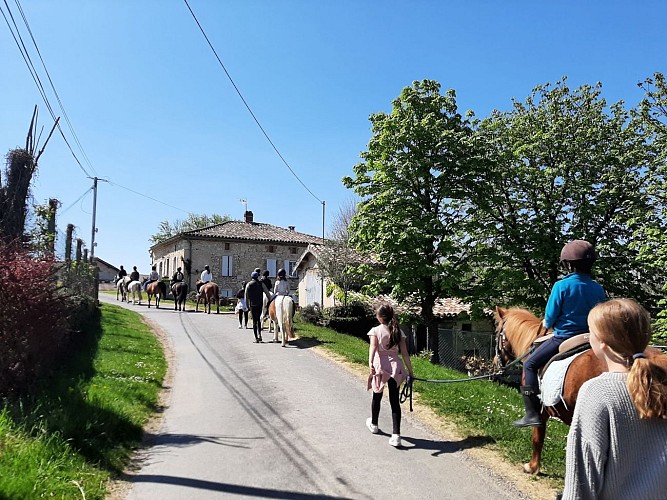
(284, 315)
(121, 288)
(134, 287)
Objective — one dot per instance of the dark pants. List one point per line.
(395, 403)
(243, 314)
(539, 358)
(256, 312)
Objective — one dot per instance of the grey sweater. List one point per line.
(611, 452)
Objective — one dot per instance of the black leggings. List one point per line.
(243, 314)
(393, 401)
(256, 312)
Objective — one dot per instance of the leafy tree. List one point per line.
(411, 180)
(653, 231)
(168, 229)
(337, 260)
(560, 166)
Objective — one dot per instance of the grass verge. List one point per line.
(478, 408)
(79, 427)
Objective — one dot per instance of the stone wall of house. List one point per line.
(310, 284)
(243, 256)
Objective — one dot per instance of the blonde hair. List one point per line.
(625, 327)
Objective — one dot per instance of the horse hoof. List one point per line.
(529, 470)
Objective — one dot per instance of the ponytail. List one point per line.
(386, 312)
(647, 385)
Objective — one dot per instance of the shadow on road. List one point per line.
(182, 440)
(440, 447)
(233, 489)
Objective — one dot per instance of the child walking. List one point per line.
(386, 367)
(567, 310)
(617, 444)
(241, 308)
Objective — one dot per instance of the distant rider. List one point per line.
(134, 275)
(206, 277)
(153, 276)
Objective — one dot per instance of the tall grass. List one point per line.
(478, 408)
(77, 429)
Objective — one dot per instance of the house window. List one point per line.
(167, 261)
(174, 263)
(271, 266)
(160, 267)
(226, 246)
(291, 269)
(227, 265)
(226, 293)
(271, 248)
(292, 250)
(466, 327)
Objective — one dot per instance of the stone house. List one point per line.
(310, 283)
(107, 272)
(232, 250)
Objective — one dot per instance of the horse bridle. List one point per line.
(504, 353)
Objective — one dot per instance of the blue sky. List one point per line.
(155, 113)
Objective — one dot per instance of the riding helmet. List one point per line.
(282, 273)
(265, 273)
(254, 275)
(578, 250)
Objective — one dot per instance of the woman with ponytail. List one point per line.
(617, 444)
(386, 367)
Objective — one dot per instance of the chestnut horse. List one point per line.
(157, 289)
(517, 329)
(209, 293)
(180, 292)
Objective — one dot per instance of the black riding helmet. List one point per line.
(266, 273)
(282, 273)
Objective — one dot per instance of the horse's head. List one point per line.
(516, 329)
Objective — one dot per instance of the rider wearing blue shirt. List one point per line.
(569, 303)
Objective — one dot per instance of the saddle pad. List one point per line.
(551, 384)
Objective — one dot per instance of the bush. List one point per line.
(33, 319)
(355, 319)
(312, 314)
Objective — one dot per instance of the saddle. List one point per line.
(570, 347)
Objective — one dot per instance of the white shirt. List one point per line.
(206, 276)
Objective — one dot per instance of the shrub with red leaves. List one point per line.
(33, 318)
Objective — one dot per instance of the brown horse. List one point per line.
(516, 331)
(157, 289)
(209, 293)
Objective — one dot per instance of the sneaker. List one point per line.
(395, 440)
(373, 428)
(240, 327)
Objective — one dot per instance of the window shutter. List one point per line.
(271, 267)
(286, 267)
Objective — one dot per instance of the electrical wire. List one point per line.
(35, 76)
(146, 196)
(248, 106)
(60, 212)
(62, 108)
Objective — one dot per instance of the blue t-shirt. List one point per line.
(571, 299)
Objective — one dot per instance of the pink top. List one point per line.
(387, 361)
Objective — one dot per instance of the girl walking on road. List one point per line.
(386, 340)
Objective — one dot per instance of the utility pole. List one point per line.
(322, 276)
(94, 230)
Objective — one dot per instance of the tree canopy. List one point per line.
(193, 221)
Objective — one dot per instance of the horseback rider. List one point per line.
(134, 275)
(177, 277)
(282, 286)
(121, 274)
(265, 280)
(206, 277)
(569, 303)
(153, 276)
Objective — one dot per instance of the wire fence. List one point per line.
(468, 352)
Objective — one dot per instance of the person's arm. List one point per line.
(403, 345)
(372, 349)
(245, 295)
(266, 291)
(587, 448)
(553, 308)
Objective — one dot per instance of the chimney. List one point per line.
(248, 216)
(291, 228)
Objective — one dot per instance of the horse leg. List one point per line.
(150, 297)
(539, 433)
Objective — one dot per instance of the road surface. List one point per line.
(248, 420)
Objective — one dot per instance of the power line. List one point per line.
(147, 197)
(76, 201)
(35, 76)
(53, 87)
(246, 104)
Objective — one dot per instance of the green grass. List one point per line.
(78, 429)
(480, 409)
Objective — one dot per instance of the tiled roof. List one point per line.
(257, 231)
(443, 308)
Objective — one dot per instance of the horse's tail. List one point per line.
(163, 288)
(183, 292)
(287, 311)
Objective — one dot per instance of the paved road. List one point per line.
(250, 420)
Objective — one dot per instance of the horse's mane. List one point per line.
(521, 328)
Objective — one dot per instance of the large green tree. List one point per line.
(562, 165)
(653, 230)
(193, 221)
(411, 181)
